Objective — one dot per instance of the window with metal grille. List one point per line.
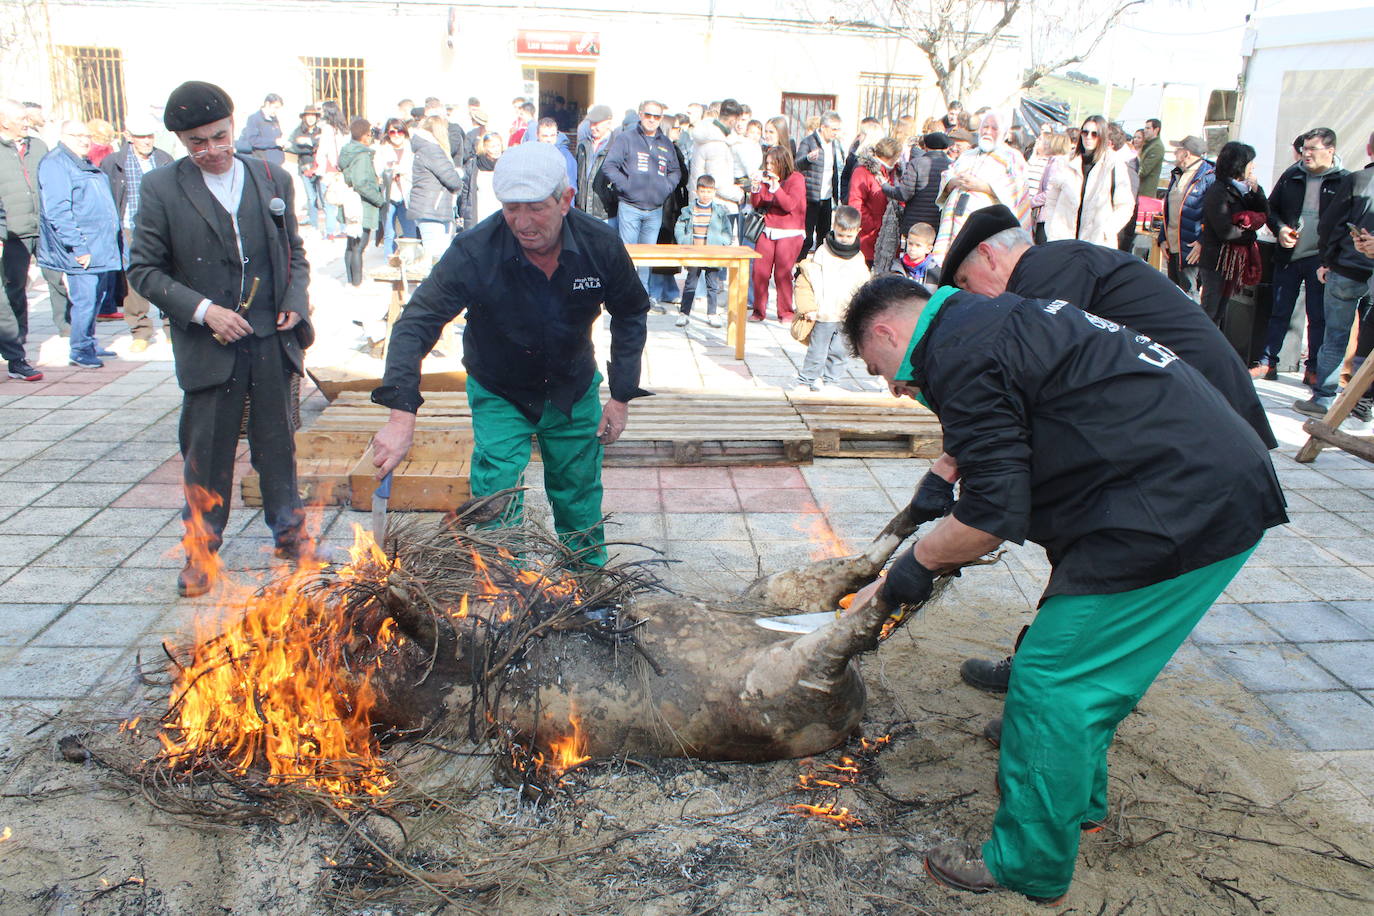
(337, 78)
(89, 82)
(888, 96)
(799, 108)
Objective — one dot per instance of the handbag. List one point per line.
(802, 326)
(753, 226)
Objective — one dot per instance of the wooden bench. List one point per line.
(734, 258)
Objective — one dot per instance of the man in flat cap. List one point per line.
(216, 248)
(993, 254)
(532, 280)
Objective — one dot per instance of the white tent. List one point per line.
(1305, 71)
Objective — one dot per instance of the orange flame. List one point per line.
(825, 543)
(831, 812)
(831, 778)
(273, 691)
(202, 551)
(570, 750)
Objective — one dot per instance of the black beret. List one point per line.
(936, 139)
(195, 104)
(979, 227)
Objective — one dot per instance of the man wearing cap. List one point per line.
(594, 193)
(993, 255)
(532, 280)
(479, 126)
(125, 169)
(216, 248)
(1180, 235)
(1085, 437)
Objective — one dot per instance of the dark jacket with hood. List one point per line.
(433, 182)
(19, 184)
(1033, 397)
(1286, 199)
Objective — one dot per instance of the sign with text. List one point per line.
(558, 44)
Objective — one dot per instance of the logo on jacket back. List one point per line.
(581, 283)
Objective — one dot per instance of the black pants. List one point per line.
(1212, 300)
(209, 436)
(18, 252)
(1184, 275)
(353, 257)
(818, 214)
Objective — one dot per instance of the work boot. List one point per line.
(192, 581)
(961, 866)
(1310, 408)
(987, 675)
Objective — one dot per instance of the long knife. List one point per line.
(797, 623)
(379, 501)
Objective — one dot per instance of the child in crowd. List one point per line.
(826, 281)
(705, 222)
(916, 263)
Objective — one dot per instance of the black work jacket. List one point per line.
(1122, 288)
(1091, 440)
(528, 337)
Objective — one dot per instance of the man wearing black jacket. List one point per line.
(1081, 435)
(532, 280)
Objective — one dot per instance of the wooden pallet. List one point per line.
(334, 380)
(868, 425)
(432, 478)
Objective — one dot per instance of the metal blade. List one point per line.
(796, 623)
(379, 501)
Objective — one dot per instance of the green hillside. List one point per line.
(1084, 100)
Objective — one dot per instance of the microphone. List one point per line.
(278, 208)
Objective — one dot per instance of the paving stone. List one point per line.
(1264, 668)
(115, 522)
(157, 553)
(1337, 583)
(1362, 479)
(135, 586)
(635, 526)
(88, 450)
(706, 527)
(1285, 552)
(95, 495)
(1310, 622)
(15, 493)
(70, 415)
(1260, 583)
(1233, 623)
(823, 477)
(861, 500)
(1325, 721)
(22, 549)
(697, 500)
(1352, 662)
(783, 500)
(1322, 525)
(858, 528)
(1354, 551)
(102, 551)
(56, 520)
(47, 584)
(1341, 500)
(148, 451)
(20, 622)
(116, 626)
(48, 433)
(44, 471)
(41, 672)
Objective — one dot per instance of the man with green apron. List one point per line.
(532, 280)
(1147, 491)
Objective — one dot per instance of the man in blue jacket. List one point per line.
(261, 135)
(1189, 181)
(644, 170)
(79, 235)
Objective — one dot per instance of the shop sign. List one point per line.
(558, 44)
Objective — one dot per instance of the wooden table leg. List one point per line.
(739, 301)
(393, 311)
(1340, 408)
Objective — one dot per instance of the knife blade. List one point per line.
(379, 500)
(797, 623)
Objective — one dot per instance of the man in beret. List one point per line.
(993, 254)
(1146, 490)
(532, 281)
(216, 248)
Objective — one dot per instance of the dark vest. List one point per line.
(262, 314)
(922, 207)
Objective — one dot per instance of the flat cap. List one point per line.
(599, 113)
(959, 134)
(978, 228)
(140, 125)
(528, 172)
(195, 104)
(479, 116)
(1192, 144)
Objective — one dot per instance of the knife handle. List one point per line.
(384, 488)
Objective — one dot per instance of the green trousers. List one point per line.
(1083, 665)
(571, 453)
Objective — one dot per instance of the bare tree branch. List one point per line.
(1098, 31)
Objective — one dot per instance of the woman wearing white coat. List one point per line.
(1095, 191)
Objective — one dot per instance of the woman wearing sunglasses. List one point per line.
(1097, 194)
(396, 162)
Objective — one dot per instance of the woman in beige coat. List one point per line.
(1096, 192)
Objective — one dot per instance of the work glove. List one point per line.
(907, 582)
(934, 498)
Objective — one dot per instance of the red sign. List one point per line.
(558, 44)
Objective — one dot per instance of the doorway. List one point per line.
(574, 87)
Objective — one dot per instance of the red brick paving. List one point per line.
(761, 478)
(167, 472)
(780, 500)
(631, 501)
(629, 478)
(695, 478)
(151, 496)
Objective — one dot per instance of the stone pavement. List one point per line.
(89, 529)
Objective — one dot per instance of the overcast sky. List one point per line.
(1188, 41)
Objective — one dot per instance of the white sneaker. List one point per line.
(713, 321)
(656, 307)
(681, 321)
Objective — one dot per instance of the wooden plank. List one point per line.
(871, 427)
(1321, 431)
(414, 485)
(320, 481)
(1340, 409)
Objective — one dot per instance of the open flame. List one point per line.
(825, 543)
(831, 778)
(274, 689)
(202, 550)
(568, 751)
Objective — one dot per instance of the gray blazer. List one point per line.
(181, 256)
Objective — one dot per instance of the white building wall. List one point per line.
(678, 56)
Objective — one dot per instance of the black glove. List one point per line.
(934, 498)
(907, 582)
